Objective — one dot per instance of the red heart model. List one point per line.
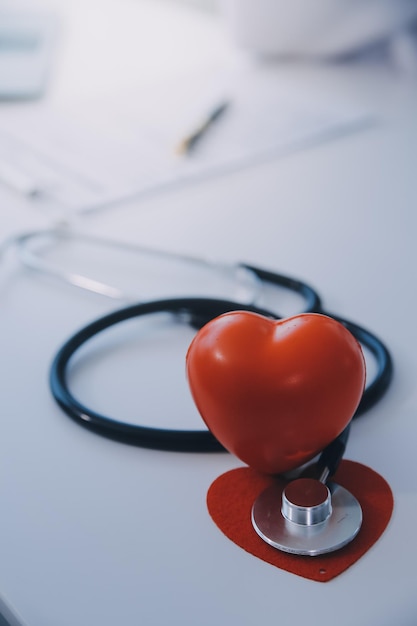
(275, 393)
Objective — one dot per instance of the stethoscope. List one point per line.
(311, 516)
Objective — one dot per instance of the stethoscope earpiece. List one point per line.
(307, 517)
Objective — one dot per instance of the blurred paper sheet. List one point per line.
(104, 152)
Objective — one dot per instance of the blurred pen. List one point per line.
(189, 142)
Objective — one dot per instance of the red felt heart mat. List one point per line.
(231, 496)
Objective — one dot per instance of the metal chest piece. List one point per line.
(307, 518)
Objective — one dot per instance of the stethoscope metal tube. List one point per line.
(25, 245)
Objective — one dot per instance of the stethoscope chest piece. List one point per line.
(307, 517)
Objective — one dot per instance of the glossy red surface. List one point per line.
(275, 393)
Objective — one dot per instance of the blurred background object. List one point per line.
(321, 29)
(206, 5)
(27, 38)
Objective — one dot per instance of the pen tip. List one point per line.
(181, 148)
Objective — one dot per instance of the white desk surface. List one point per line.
(96, 532)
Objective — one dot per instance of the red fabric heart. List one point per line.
(231, 496)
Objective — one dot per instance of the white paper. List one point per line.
(123, 146)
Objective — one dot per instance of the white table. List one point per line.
(96, 532)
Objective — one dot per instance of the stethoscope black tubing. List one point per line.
(197, 312)
(376, 389)
(312, 300)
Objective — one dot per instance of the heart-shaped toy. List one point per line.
(275, 392)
